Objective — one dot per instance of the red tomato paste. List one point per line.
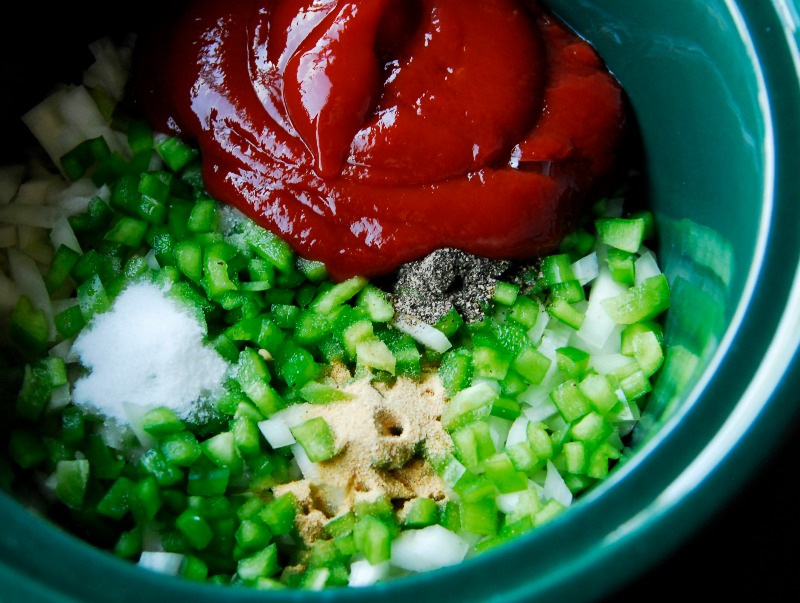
(369, 133)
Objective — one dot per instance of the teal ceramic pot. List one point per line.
(715, 90)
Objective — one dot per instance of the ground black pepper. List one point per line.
(447, 278)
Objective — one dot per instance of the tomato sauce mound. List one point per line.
(370, 133)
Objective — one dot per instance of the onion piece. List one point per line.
(25, 273)
(276, 432)
(362, 573)
(427, 549)
(586, 269)
(427, 335)
(555, 488)
(10, 180)
(162, 562)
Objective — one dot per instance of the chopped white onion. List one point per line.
(151, 260)
(62, 234)
(60, 397)
(363, 573)
(26, 274)
(10, 180)
(9, 292)
(63, 350)
(427, 335)
(498, 431)
(427, 549)
(33, 192)
(541, 406)
(161, 561)
(555, 488)
(75, 198)
(109, 70)
(8, 235)
(507, 503)
(518, 432)
(645, 266)
(30, 215)
(586, 269)
(536, 332)
(276, 432)
(605, 363)
(308, 468)
(598, 325)
(134, 413)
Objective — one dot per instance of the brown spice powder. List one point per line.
(384, 435)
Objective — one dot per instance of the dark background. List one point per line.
(748, 551)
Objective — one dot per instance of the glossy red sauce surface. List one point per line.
(369, 133)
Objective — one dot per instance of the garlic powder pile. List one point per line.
(146, 351)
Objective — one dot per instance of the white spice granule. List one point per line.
(148, 351)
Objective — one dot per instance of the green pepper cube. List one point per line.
(26, 448)
(621, 266)
(505, 293)
(532, 364)
(598, 462)
(641, 302)
(269, 246)
(621, 233)
(480, 517)
(127, 231)
(295, 364)
(154, 463)
(221, 450)
(203, 217)
(195, 528)
(591, 428)
(194, 568)
(175, 153)
(376, 303)
(554, 269)
(28, 327)
(253, 534)
(473, 443)
(145, 500)
(569, 400)
(597, 389)
(575, 457)
(328, 299)
(420, 512)
(162, 421)
(262, 564)
(279, 514)
(373, 539)
(72, 477)
(566, 313)
(450, 322)
(456, 370)
(539, 440)
(207, 479)
(317, 439)
(525, 311)
(468, 405)
(63, 262)
(572, 361)
(116, 501)
(506, 408)
(500, 469)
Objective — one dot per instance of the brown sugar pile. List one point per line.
(384, 434)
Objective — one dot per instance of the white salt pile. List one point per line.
(146, 351)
